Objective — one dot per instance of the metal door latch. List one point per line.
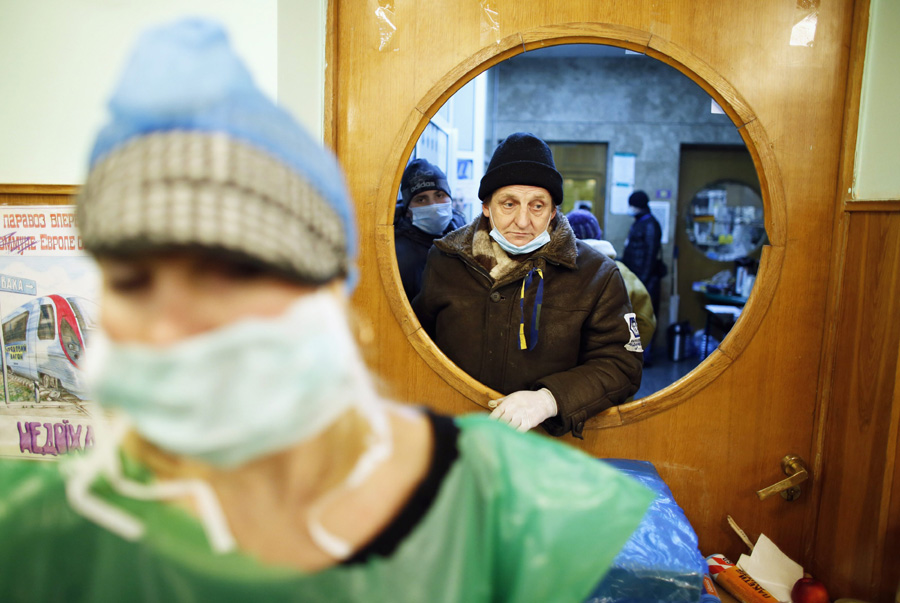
(795, 468)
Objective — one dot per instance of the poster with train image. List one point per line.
(48, 309)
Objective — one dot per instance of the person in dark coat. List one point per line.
(642, 253)
(516, 301)
(424, 214)
(643, 246)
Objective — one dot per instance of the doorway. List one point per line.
(699, 166)
(583, 168)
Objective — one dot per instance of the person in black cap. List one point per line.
(516, 301)
(643, 247)
(424, 214)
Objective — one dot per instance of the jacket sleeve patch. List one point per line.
(634, 343)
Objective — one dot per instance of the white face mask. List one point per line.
(227, 397)
(432, 219)
(240, 392)
(512, 249)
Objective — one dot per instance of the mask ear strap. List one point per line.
(211, 516)
(104, 461)
(379, 449)
(81, 473)
(333, 545)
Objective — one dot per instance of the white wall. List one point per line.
(59, 60)
(876, 167)
(301, 60)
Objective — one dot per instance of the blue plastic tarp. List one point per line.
(661, 562)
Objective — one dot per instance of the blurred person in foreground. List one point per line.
(249, 457)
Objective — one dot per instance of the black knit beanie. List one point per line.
(522, 158)
(420, 176)
(639, 199)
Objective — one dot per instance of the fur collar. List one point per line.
(474, 244)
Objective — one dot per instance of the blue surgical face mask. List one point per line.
(235, 394)
(532, 245)
(432, 219)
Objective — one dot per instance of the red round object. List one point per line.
(809, 590)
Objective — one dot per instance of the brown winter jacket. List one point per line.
(580, 355)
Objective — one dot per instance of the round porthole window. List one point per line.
(724, 221)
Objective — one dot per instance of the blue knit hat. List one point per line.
(195, 155)
(584, 224)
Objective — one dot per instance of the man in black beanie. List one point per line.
(516, 301)
(643, 247)
(424, 214)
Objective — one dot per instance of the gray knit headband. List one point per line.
(171, 189)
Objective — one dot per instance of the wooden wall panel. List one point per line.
(859, 529)
(752, 401)
(890, 551)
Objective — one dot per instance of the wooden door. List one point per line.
(719, 434)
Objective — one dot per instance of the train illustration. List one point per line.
(46, 337)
